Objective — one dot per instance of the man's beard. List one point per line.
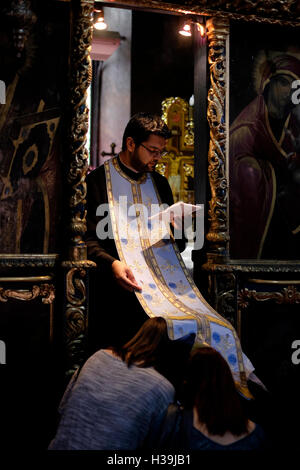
(148, 170)
(142, 168)
(151, 168)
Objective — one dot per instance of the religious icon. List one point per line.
(264, 162)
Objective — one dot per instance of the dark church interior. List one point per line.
(67, 92)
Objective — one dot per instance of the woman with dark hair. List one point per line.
(212, 416)
(119, 394)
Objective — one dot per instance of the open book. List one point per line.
(179, 209)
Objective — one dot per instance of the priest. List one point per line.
(141, 272)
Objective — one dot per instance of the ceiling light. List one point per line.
(186, 29)
(99, 22)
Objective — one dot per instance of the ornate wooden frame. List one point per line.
(76, 265)
(266, 11)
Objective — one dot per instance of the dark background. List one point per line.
(162, 61)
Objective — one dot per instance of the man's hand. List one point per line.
(176, 220)
(124, 276)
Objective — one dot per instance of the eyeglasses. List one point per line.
(155, 153)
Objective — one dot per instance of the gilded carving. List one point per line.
(76, 291)
(217, 31)
(276, 267)
(79, 264)
(288, 295)
(282, 12)
(81, 73)
(161, 168)
(27, 261)
(226, 300)
(76, 264)
(178, 164)
(189, 135)
(177, 108)
(45, 291)
(76, 321)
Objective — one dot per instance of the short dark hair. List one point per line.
(142, 125)
(210, 388)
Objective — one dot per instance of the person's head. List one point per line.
(144, 140)
(210, 390)
(277, 75)
(278, 95)
(147, 345)
(152, 347)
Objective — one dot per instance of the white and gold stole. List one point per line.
(167, 288)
